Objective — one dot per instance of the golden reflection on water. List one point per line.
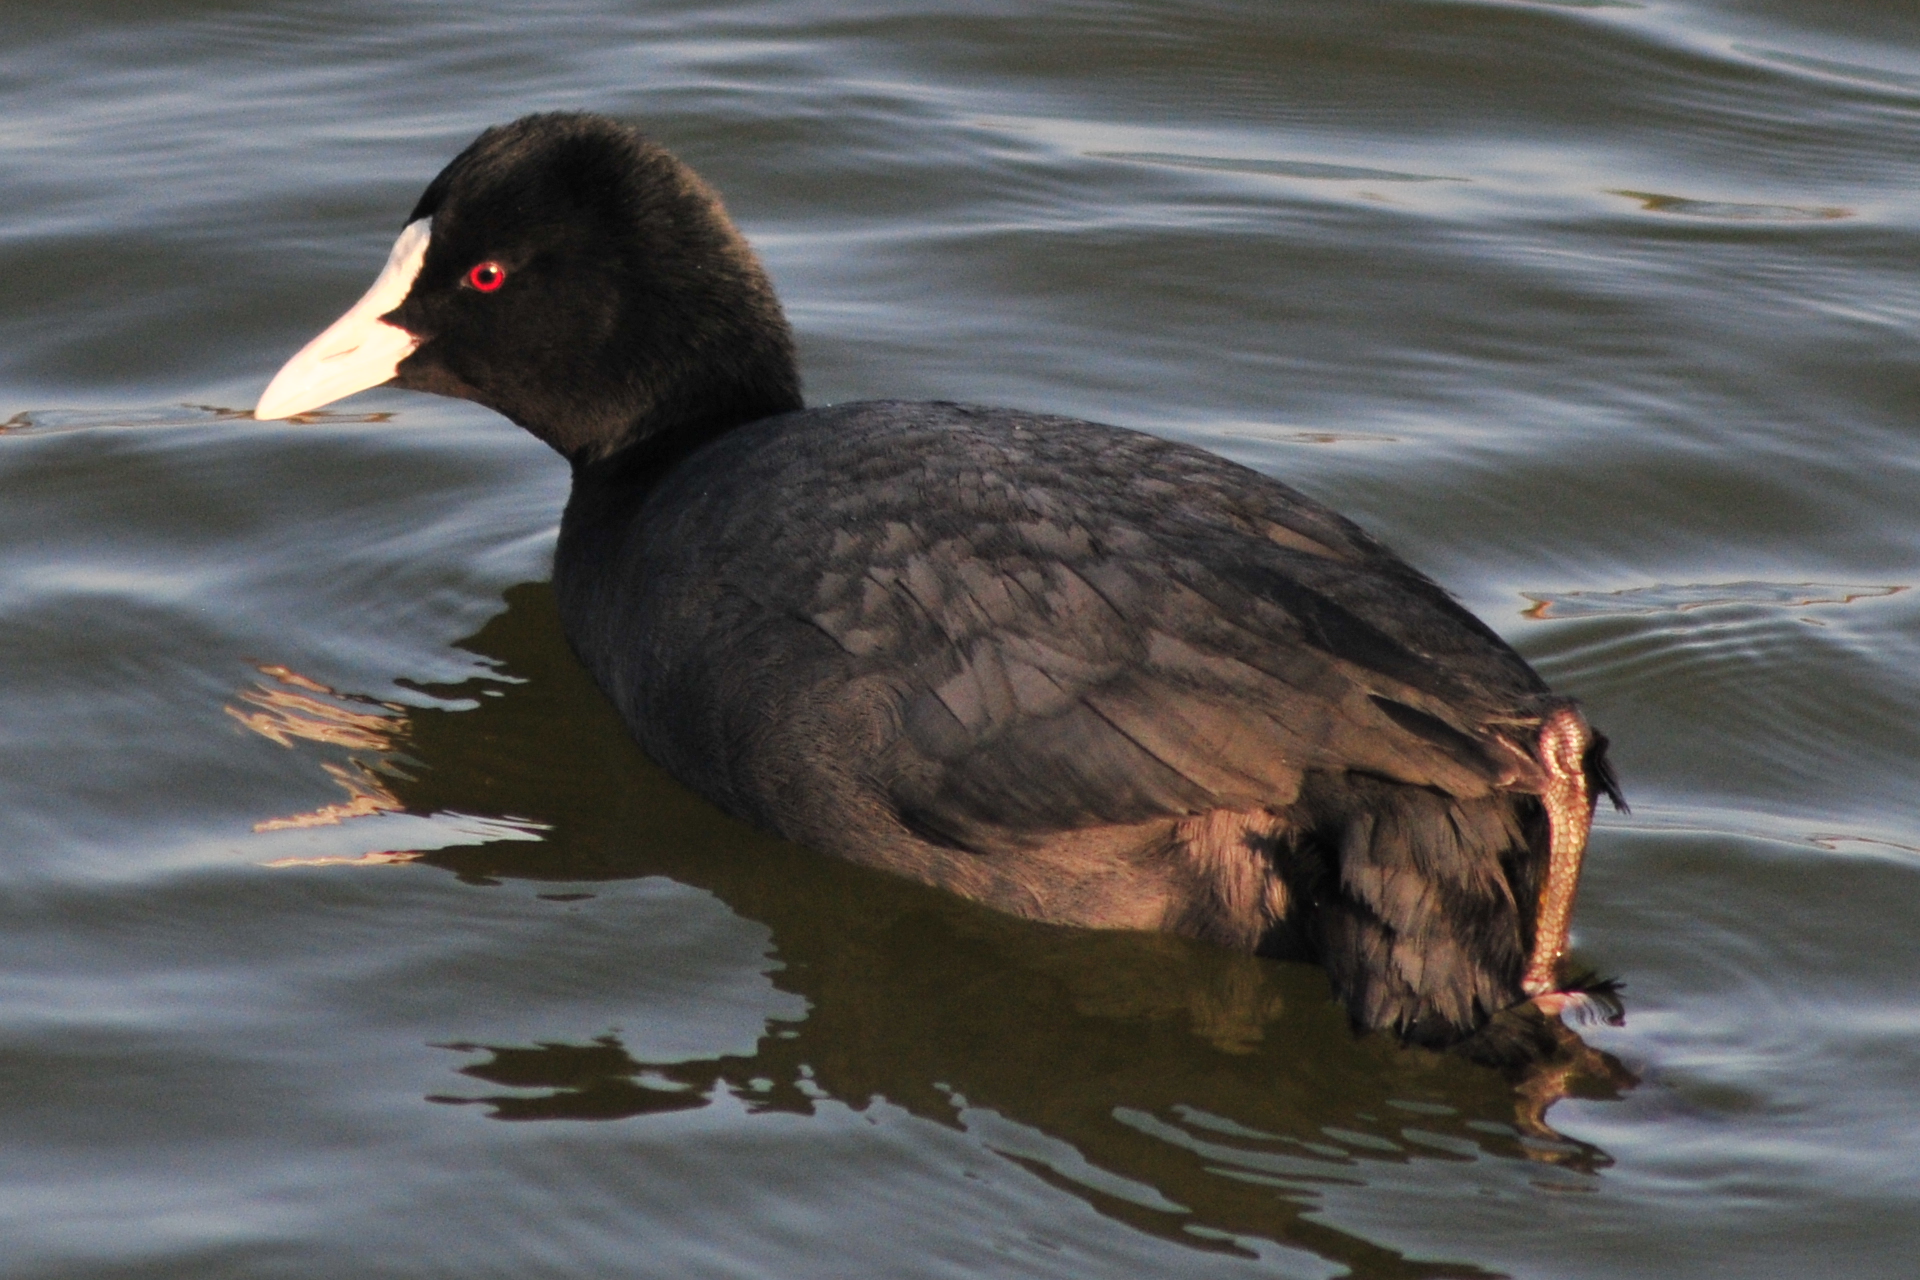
(1733, 210)
(1665, 597)
(328, 417)
(286, 708)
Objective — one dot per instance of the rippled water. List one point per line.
(345, 933)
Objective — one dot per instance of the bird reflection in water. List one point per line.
(1207, 1096)
(286, 708)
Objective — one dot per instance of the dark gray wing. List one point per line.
(1081, 626)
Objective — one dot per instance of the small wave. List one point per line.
(49, 421)
(1832, 67)
(1683, 597)
(1733, 210)
(1309, 436)
(1271, 168)
(1869, 838)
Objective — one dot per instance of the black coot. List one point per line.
(1077, 673)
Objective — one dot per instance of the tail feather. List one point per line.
(1416, 918)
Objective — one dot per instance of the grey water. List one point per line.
(343, 932)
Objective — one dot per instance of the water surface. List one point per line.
(346, 933)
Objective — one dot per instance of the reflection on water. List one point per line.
(596, 1081)
(42, 421)
(1734, 210)
(1665, 597)
(1180, 1088)
(286, 708)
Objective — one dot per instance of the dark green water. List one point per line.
(343, 933)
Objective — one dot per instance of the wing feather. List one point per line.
(1102, 627)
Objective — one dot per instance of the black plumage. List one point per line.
(1078, 673)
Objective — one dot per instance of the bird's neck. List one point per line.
(603, 509)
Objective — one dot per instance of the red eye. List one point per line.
(487, 277)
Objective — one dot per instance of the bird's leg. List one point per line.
(1562, 748)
